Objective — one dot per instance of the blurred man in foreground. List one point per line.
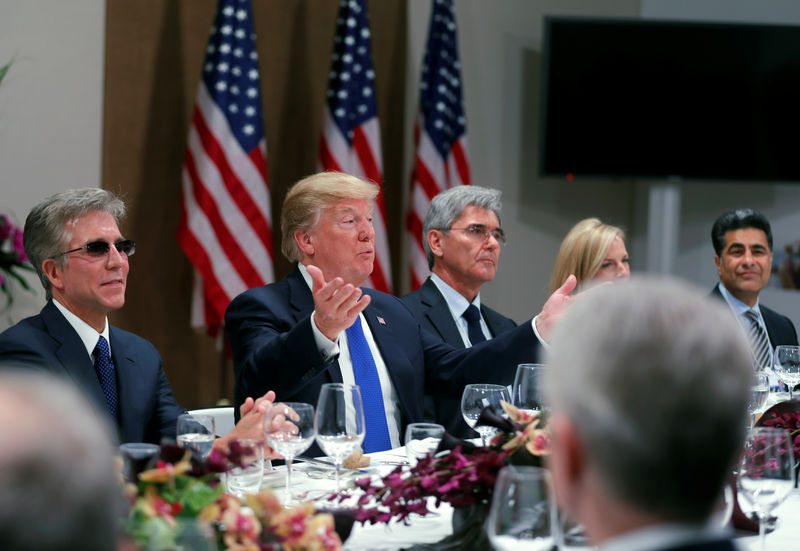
(74, 242)
(56, 468)
(641, 459)
(463, 239)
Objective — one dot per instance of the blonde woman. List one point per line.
(592, 251)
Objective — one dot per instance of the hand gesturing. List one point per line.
(336, 303)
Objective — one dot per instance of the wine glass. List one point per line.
(478, 396)
(196, 433)
(759, 395)
(293, 438)
(522, 514)
(766, 472)
(339, 422)
(248, 471)
(527, 390)
(422, 439)
(787, 365)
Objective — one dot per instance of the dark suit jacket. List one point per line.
(780, 329)
(148, 410)
(273, 348)
(430, 309)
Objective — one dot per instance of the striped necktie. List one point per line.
(759, 342)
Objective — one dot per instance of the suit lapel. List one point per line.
(72, 354)
(130, 388)
(438, 313)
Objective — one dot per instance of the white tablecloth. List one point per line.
(382, 537)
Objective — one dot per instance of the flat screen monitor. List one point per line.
(670, 99)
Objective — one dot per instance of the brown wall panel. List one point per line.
(154, 54)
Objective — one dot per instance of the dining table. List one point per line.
(315, 482)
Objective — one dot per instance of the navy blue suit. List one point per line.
(148, 410)
(431, 311)
(780, 329)
(273, 348)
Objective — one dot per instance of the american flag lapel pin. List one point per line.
(381, 320)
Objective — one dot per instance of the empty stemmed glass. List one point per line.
(293, 438)
(527, 389)
(787, 365)
(759, 395)
(766, 472)
(422, 439)
(522, 515)
(478, 396)
(196, 433)
(339, 422)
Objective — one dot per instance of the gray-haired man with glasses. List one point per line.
(463, 239)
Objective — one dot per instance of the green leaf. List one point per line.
(199, 496)
(4, 69)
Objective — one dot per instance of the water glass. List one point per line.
(522, 514)
(248, 455)
(787, 365)
(478, 396)
(293, 438)
(758, 398)
(339, 422)
(138, 457)
(766, 473)
(527, 390)
(196, 433)
(422, 439)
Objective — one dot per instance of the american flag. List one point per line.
(440, 133)
(225, 227)
(351, 140)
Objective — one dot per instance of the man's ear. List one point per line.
(435, 238)
(717, 261)
(53, 272)
(304, 242)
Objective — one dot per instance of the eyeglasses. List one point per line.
(101, 248)
(479, 231)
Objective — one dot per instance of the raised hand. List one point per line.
(555, 307)
(336, 303)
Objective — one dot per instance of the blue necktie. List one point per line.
(377, 431)
(473, 317)
(105, 374)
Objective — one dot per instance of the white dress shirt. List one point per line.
(330, 349)
(85, 331)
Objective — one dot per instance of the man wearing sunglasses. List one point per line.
(74, 242)
(462, 238)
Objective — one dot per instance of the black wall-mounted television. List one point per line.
(670, 99)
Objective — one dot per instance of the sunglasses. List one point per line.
(101, 248)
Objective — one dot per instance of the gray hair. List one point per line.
(449, 204)
(56, 468)
(46, 231)
(655, 377)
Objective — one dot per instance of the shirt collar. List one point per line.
(455, 300)
(306, 275)
(85, 331)
(738, 307)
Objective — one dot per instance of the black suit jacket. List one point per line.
(273, 348)
(780, 329)
(430, 309)
(147, 408)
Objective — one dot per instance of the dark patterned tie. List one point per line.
(376, 438)
(758, 340)
(104, 367)
(473, 317)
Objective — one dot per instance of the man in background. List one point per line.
(56, 468)
(742, 240)
(640, 453)
(462, 237)
(73, 240)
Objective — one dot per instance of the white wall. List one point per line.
(51, 107)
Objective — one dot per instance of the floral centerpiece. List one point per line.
(182, 491)
(12, 258)
(460, 474)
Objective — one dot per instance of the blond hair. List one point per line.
(307, 198)
(583, 250)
